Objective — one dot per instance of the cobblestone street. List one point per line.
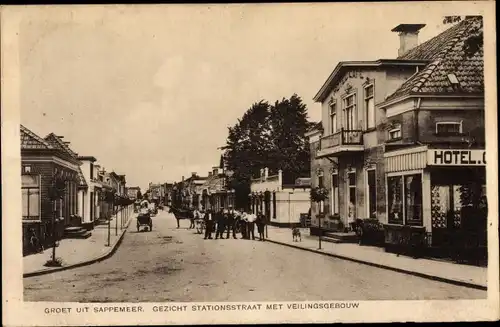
(170, 264)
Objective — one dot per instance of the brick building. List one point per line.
(42, 161)
(400, 138)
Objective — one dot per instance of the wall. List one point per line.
(290, 206)
(427, 119)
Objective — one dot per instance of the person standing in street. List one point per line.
(251, 218)
(230, 222)
(220, 224)
(209, 221)
(244, 225)
(261, 223)
(195, 215)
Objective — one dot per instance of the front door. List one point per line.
(445, 212)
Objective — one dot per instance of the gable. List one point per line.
(30, 140)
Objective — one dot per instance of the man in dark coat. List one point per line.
(231, 223)
(209, 223)
(220, 224)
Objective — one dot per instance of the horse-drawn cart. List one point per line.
(144, 219)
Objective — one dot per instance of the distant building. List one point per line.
(42, 160)
(283, 205)
(133, 192)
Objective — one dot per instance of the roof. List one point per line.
(30, 140)
(344, 66)
(447, 56)
(88, 158)
(81, 178)
(58, 143)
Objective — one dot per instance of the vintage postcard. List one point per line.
(249, 163)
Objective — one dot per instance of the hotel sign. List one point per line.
(456, 157)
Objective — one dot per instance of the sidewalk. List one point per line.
(78, 252)
(465, 275)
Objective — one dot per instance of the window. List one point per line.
(351, 180)
(395, 132)
(449, 128)
(371, 189)
(320, 179)
(91, 170)
(349, 111)
(30, 197)
(335, 194)
(413, 199)
(333, 117)
(395, 200)
(369, 107)
(405, 199)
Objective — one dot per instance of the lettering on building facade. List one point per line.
(456, 157)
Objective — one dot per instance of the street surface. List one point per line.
(170, 264)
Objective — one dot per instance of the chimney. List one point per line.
(194, 174)
(209, 174)
(408, 36)
(182, 178)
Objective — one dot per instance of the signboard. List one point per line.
(456, 157)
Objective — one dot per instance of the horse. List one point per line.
(180, 214)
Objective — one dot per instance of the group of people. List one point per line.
(231, 222)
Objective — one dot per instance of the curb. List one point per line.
(102, 257)
(404, 271)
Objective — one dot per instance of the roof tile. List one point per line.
(30, 140)
(446, 51)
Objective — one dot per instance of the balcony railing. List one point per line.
(343, 137)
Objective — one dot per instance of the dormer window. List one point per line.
(449, 128)
(395, 132)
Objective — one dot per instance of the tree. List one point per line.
(247, 149)
(289, 123)
(267, 136)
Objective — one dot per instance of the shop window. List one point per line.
(333, 117)
(369, 107)
(335, 194)
(30, 197)
(395, 132)
(394, 193)
(449, 128)
(405, 199)
(413, 199)
(371, 193)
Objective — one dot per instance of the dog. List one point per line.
(296, 234)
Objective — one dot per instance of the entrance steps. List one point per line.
(77, 232)
(337, 237)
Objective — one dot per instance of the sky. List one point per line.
(150, 90)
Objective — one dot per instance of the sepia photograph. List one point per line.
(249, 160)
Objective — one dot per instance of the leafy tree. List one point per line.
(289, 123)
(267, 136)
